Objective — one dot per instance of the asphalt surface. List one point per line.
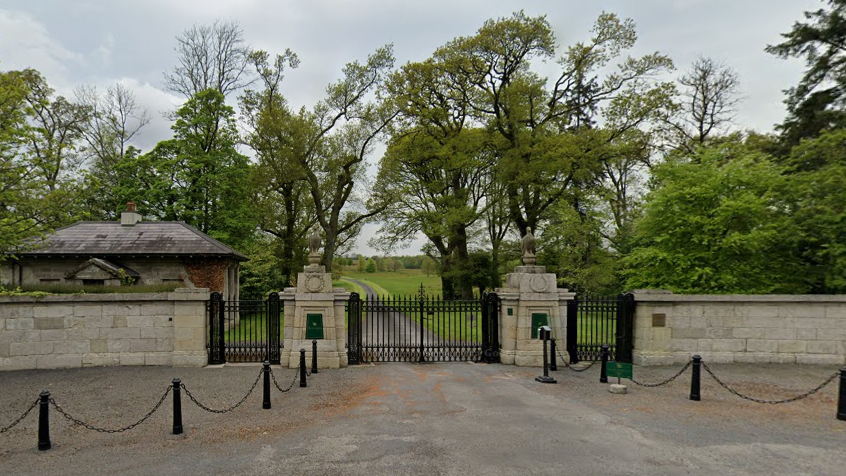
(430, 419)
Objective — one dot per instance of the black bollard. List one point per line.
(44, 422)
(694, 380)
(552, 365)
(841, 399)
(603, 369)
(266, 401)
(545, 378)
(177, 407)
(314, 356)
(302, 369)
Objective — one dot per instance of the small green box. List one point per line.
(538, 319)
(619, 370)
(314, 326)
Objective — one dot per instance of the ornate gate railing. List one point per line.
(594, 321)
(244, 330)
(422, 329)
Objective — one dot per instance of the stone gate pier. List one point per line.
(530, 299)
(315, 311)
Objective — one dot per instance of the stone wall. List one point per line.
(805, 329)
(62, 331)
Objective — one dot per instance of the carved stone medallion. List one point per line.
(314, 282)
(539, 283)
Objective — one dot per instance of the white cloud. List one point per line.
(157, 101)
(104, 51)
(26, 43)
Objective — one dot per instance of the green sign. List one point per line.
(314, 326)
(538, 319)
(619, 370)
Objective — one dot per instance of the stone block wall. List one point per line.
(62, 331)
(804, 329)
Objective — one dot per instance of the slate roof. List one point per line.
(97, 238)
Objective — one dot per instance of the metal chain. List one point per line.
(14, 423)
(564, 361)
(212, 410)
(111, 430)
(757, 400)
(665, 382)
(273, 377)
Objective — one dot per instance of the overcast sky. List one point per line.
(131, 41)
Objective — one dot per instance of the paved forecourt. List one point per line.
(451, 419)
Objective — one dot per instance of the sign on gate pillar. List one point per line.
(314, 326)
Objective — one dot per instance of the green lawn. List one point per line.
(252, 327)
(453, 322)
(406, 282)
(595, 329)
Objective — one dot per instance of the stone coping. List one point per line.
(182, 294)
(665, 296)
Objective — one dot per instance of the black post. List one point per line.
(603, 370)
(841, 399)
(266, 402)
(221, 325)
(44, 422)
(552, 365)
(422, 298)
(694, 380)
(314, 356)
(302, 369)
(544, 335)
(177, 407)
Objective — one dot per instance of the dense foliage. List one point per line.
(628, 181)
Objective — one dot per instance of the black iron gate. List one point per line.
(594, 321)
(244, 330)
(422, 329)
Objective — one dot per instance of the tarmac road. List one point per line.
(430, 419)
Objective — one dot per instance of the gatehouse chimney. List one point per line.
(130, 217)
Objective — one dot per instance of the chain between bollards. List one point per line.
(603, 371)
(44, 422)
(303, 382)
(314, 356)
(265, 404)
(177, 406)
(695, 379)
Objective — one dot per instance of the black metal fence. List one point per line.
(422, 329)
(594, 321)
(245, 330)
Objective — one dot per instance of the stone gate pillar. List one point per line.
(530, 299)
(315, 311)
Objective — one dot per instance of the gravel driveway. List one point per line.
(431, 419)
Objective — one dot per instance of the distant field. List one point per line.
(405, 282)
